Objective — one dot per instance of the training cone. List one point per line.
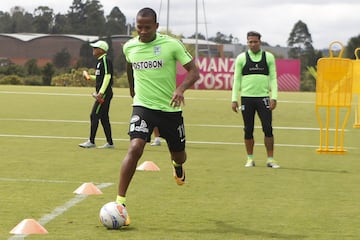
(29, 226)
(148, 166)
(88, 189)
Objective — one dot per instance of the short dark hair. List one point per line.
(254, 34)
(147, 12)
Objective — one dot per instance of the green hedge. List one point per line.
(74, 79)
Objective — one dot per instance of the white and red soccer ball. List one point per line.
(113, 215)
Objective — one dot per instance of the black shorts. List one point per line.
(170, 125)
(261, 105)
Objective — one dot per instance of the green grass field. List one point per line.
(312, 196)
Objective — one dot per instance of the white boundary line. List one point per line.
(127, 96)
(58, 94)
(126, 123)
(60, 209)
(191, 142)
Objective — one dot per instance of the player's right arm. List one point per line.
(130, 77)
(236, 83)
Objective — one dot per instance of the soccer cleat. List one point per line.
(87, 144)
(272, 164)
(155, 143)
(107, 145)
(250, 163)
(127, 222)
(179, 175)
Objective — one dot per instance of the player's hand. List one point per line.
(177, 99)
(272, 104)
(98, 97)
(86, 75)
(132, 92)
(235, 106)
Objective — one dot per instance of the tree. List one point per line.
(95, 20)
(222, 38)
(86, 18)
(21, 20)
(116, 22)
(300, 44)
(299, 40)
(32, 67)
(352, 44)
(199, 35)
(62, 59)
(86, 58)
(5, 22)
(61, 24)
(43, 19)
(48, 72)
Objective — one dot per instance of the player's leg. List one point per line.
(172, 129)
(139, 132)
(157, 140)
(248, 114)
(128, 166)
(105, 121)
(178, 159)
(265, 115)
(94, 123)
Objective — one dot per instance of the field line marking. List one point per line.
(188, 141)
(34, 180)
(52, 120)
(127, 96)
(60, 210)
(189, 124)
(58, 94)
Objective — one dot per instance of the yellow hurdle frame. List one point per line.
(333, 92)
(356, 87)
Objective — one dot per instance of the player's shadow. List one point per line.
(315, 170)
(226, 228)
(222, 228)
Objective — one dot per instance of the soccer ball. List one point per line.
(113, 215)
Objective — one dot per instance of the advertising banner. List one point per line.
(218, 73)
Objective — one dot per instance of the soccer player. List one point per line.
(157, 100)
(255, 78)
(103, 95)
(157, 140)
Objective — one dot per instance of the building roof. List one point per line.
(25, 37)
(199, 41)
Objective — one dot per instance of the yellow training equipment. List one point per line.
(356, 86)
(333, 97)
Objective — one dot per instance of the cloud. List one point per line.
(327, 20)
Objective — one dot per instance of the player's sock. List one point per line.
(178, 169)
(121, 200)
(250, 157)
(270, 159)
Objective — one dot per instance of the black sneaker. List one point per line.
(179, 175)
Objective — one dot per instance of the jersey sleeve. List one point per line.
(181, 54)
(272, 75)
(239, 62)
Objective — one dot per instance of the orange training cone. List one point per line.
(28, 226)
(148, 166)
(88, 189)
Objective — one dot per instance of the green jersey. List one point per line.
(256, 84)
(154, 66)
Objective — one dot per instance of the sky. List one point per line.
(327, 20)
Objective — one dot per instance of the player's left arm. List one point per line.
(191, 77)
(184, 57)
(107, 76)
(273, 80)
